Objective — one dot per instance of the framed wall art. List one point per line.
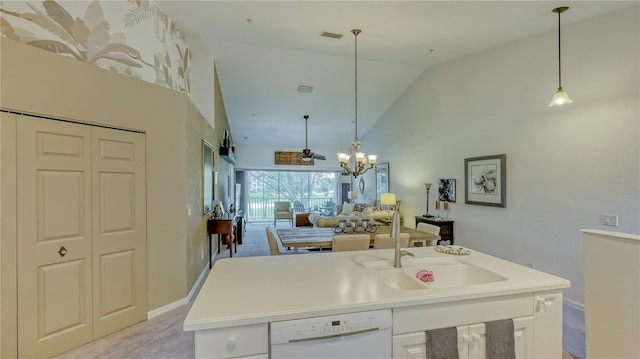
(447, 190)
(382, 179)
(485, 180)
(207, 177)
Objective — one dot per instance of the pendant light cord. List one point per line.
(356, 32)
(559, 54)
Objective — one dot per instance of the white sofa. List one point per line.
(349, 211)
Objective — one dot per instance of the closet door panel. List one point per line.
(119, 230)
(54, 236)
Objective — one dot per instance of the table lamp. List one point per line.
(352, 195)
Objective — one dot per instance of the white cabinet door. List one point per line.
(233, 342)
(523, 337)
(410, 346)
(547, 324)
(476, 341)
(414, 345)
(472, 342)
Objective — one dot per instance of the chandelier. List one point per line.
(361, 158)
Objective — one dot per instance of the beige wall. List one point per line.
(8, 320)
(197, 245)
(37, 82)
(198, 129)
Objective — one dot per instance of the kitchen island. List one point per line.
(242, 296)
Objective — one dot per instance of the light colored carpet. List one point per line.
(163, 338)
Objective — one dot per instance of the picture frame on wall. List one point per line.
(382, 179)
(486, 180)
(207, 177)
(447, 190)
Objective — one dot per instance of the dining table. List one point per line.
(322, 237)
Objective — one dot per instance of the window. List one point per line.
(313, 190)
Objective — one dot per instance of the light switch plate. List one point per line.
(610, 220)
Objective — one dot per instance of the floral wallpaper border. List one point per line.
(132, 37)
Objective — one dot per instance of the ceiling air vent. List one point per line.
(306, 89)
(330, 34)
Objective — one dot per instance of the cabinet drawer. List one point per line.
(442, 315)
(232, 342)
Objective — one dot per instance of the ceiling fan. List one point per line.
(306, 154)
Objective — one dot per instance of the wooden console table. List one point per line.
(446, 227)
(226, 225)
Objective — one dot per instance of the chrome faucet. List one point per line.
(397, 260)
(395, 233)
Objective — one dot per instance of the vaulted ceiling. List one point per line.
(264, 50)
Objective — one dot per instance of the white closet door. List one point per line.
(54, 236)
(119, 230)
(81, 194)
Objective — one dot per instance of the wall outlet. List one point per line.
(188, 211)
(532, 265)
(610, 220)
(202, 254)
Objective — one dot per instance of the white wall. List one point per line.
(202, 85)
(565, 166)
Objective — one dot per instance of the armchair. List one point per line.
(282, 210)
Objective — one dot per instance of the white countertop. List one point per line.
(613, 235)
(252, 290)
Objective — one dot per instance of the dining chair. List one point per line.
(274, 243)
(350, 242)
(274, 248)
(428, 228)
(382, 241)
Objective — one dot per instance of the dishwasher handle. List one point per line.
(331, 336)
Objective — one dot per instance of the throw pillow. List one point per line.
(368, 211)
(312, 217)
(347, 208)
(359, 207)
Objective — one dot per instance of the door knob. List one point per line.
(62, 251)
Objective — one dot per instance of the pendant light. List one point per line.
(361, 158)
(560, 97)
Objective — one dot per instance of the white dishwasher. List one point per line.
(347, 336)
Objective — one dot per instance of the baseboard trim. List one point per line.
(573, 304)
(171, 306)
